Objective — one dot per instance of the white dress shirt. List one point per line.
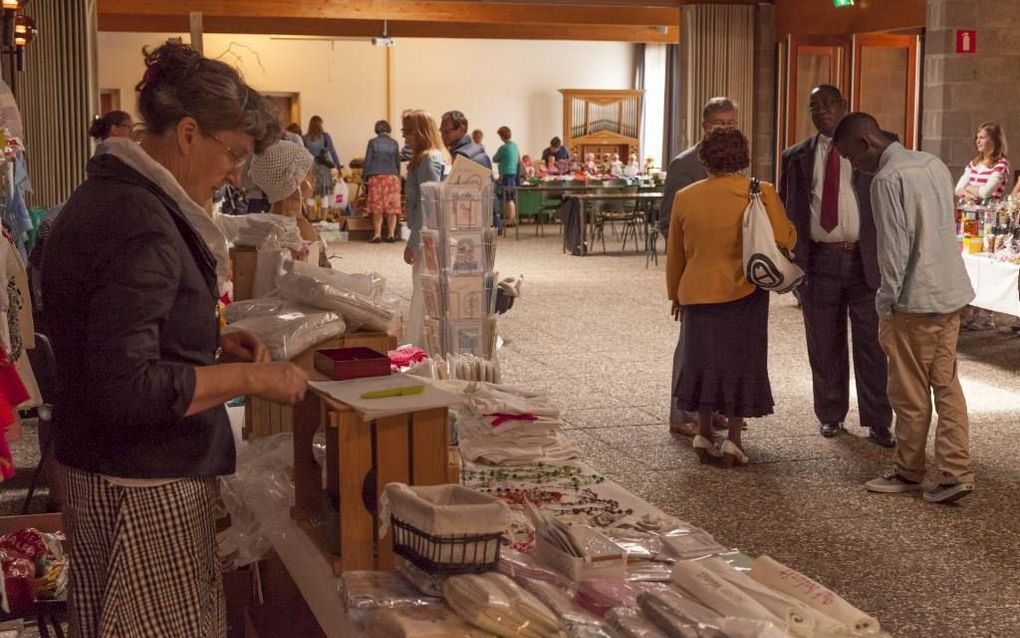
(849, 226)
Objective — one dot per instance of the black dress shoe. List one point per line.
(882, 436)
(830, 430)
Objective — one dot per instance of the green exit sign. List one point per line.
(842, 3)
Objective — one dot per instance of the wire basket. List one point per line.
(457, 554)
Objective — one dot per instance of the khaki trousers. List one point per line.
(922, 360)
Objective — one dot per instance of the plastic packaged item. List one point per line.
(789, 581)
(518, 565)
(291, 332)
(370, 284)
(690, 543)
(428, 584)
(633, 624)
(717, 593)
(433, 621)
(356, 308)
(496, 604)
(366, 590)
(668, 599)
(259, 307)
(747, 628)
(599, 595)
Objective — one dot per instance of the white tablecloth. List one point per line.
(995, 284)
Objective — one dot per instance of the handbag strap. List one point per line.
(755, 187)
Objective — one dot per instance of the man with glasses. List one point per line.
(454, 130)
(684, 170)
(830, 204)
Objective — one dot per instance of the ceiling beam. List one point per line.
(460, 12)
(397, 29)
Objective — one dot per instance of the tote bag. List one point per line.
(765, 265)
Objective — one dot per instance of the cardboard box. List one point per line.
(53, 522)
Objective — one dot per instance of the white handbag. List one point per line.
(765, 264)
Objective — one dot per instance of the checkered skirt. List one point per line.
(143, 559)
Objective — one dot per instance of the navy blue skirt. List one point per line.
(724, 358)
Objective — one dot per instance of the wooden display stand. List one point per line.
(408, 448)
(263, 418)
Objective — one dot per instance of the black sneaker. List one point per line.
(946, 493)
(892, 483)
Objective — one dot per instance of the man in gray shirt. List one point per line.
(924, 288)
(684, 170)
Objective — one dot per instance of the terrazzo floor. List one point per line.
(596, 333)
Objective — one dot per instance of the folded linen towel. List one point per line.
(490, 398)
(789, 581)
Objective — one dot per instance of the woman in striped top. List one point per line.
(988, 175)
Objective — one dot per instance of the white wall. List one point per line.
(494, 82)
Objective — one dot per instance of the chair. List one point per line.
(43, 366)
(627, 212)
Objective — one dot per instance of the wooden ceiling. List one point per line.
(618, 20)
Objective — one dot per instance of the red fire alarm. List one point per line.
(966, 41)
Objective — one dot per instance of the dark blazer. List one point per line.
(685, 169)
(130, 299)
(798, 166)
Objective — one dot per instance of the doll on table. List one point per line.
(550, 167)
(529, 166)
(590, 167)
(616, 166)
(632, 169)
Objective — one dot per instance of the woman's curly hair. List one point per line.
(724, 150)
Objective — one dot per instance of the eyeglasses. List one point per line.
(238, 159)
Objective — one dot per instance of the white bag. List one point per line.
(765, 265)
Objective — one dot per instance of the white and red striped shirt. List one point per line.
(991, 181)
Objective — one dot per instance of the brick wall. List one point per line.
(963, 90)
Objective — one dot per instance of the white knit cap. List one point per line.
(279, 169)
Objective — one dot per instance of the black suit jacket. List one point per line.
(798, 166)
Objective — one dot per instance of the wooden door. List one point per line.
(886, 82)
(109, 100)
(287, 108)
(810, 61)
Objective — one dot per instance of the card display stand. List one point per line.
(457, 281)
(361, 458)
(263, 418)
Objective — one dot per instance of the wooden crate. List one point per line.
(408, 448)
(360, 228)
(263, 418)
(243, 262)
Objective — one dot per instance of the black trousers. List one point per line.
(835, 291)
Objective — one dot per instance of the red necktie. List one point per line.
(830, 191)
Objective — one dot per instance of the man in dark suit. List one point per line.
(830, 204)
(684, 170)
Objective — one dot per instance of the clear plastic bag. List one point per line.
(264, 468)
(356, 308)
(292, 331)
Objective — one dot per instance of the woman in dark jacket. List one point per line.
(382, 174)
(130, 290)
(112, 124)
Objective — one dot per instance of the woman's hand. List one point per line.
(678, 311)
(282, 382)
(409, 255)
(243, 346)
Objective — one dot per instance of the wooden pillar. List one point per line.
(195, 19)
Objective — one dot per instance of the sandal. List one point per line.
(706, 450)
(733, 455)
(375, 240)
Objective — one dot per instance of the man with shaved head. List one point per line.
(924, 287)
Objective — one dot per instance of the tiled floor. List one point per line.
(596, 332)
